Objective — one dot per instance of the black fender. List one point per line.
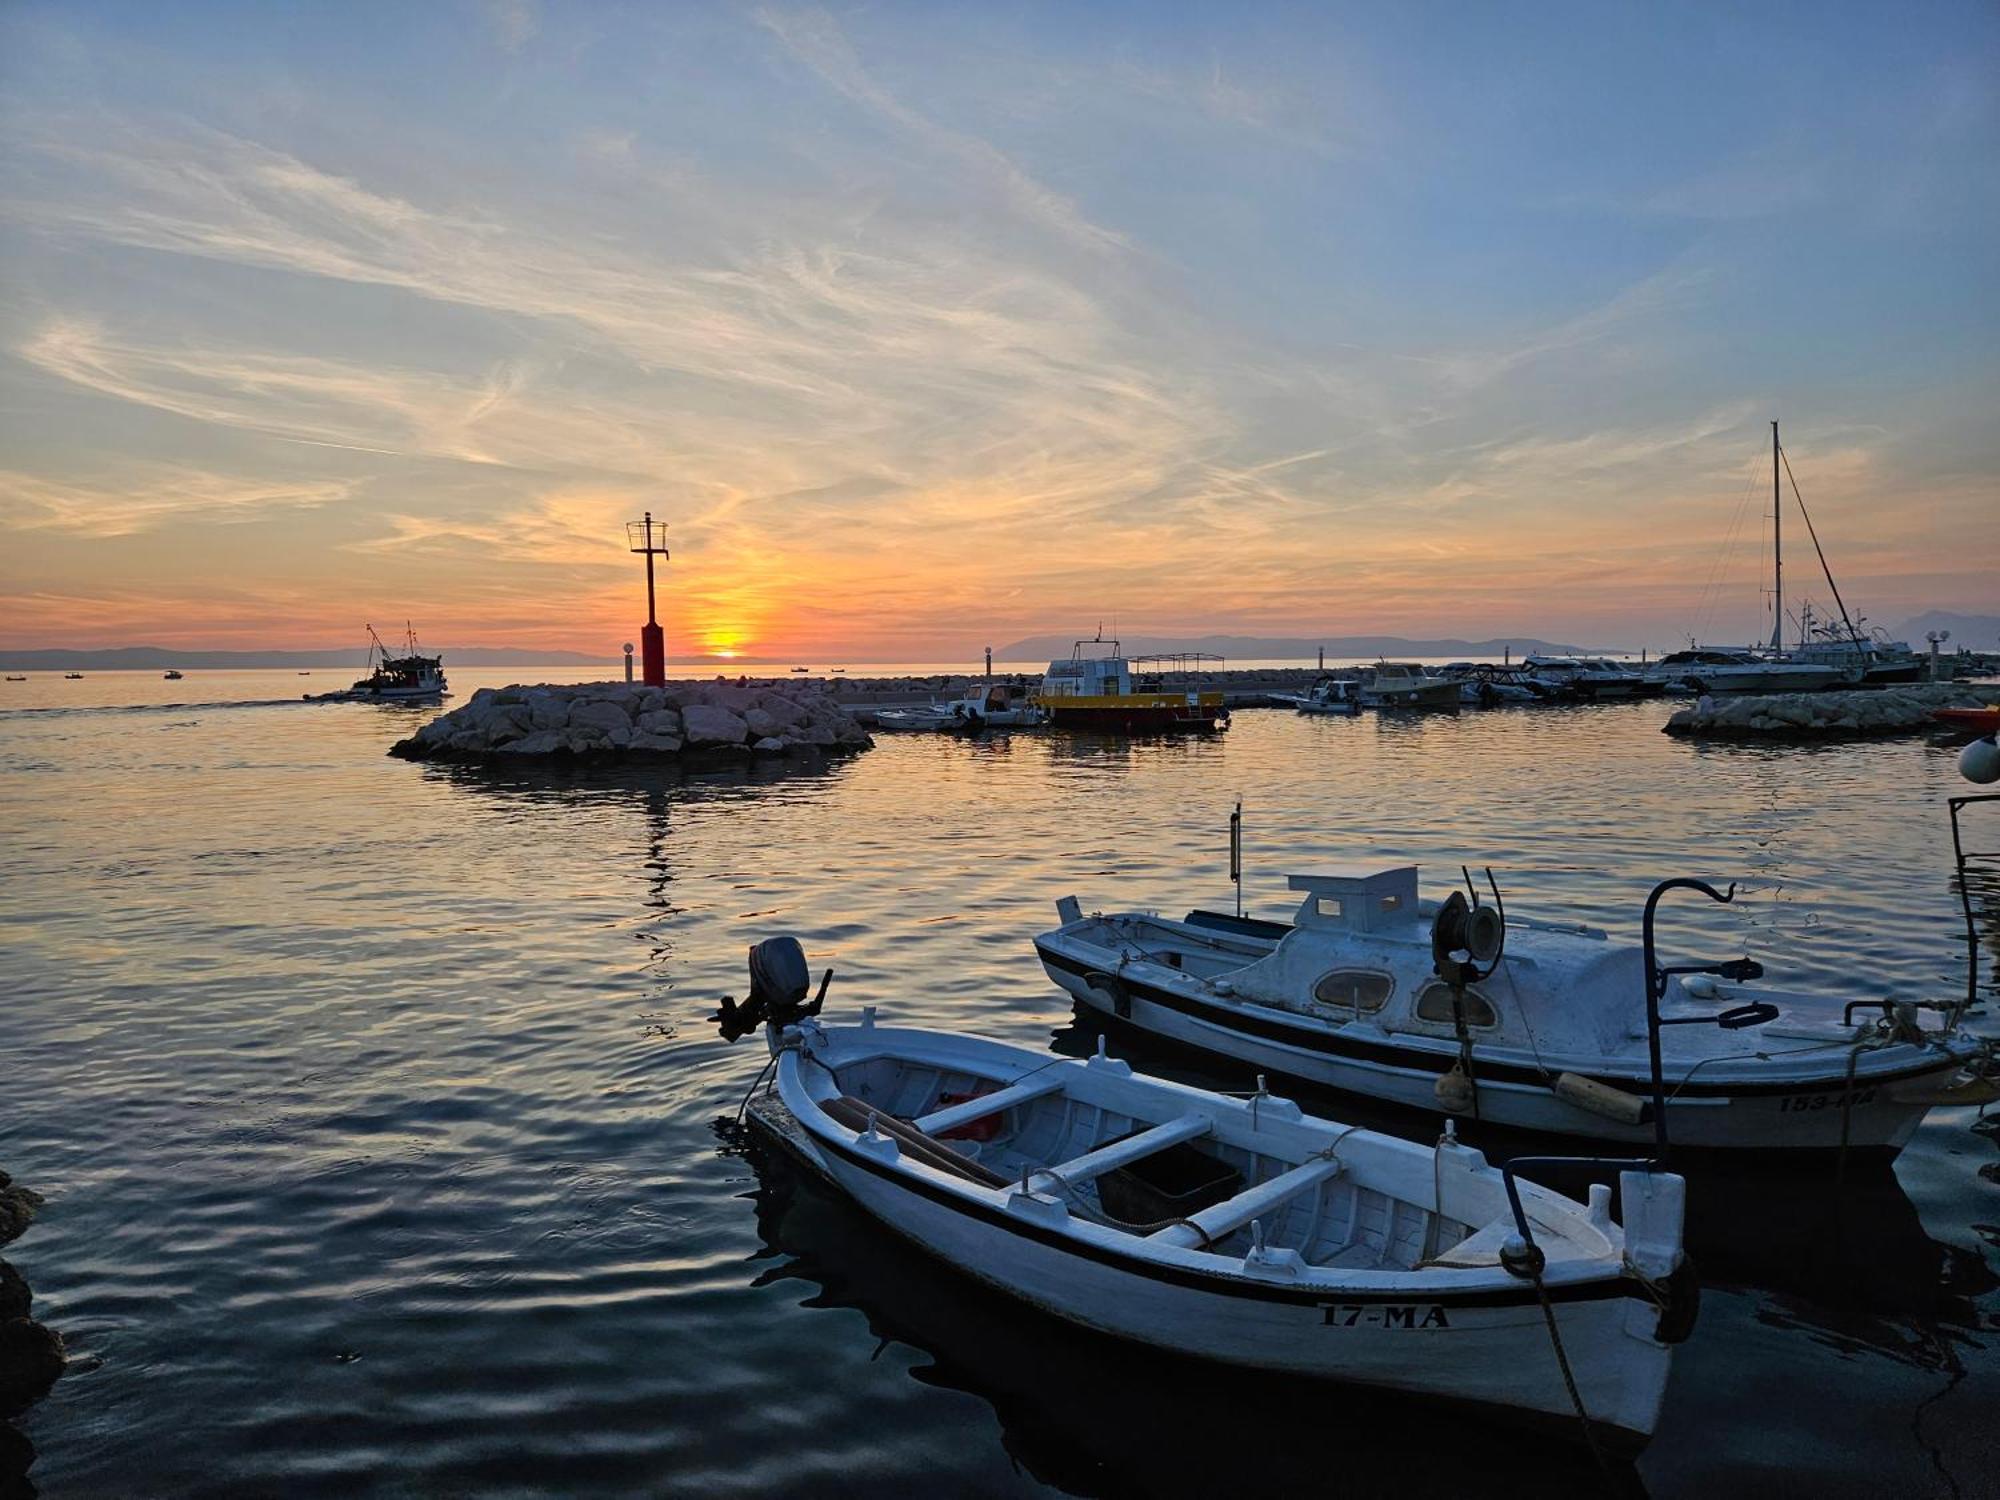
(1113, 988)
(1683, 1304)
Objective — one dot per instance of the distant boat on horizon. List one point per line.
(17, 679)
(72, 677)
(174, 674)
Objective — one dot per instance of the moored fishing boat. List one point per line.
(1097, 692)
(1372, 990)
(1238, 1230)
(1397, 685)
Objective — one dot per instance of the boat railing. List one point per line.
(1530, 1254)
(1963, 860)
(1736, 1018)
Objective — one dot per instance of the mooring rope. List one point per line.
(1611, 1485)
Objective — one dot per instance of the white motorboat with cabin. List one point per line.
(1585, 679)
(1329, 695)
(1718, 669)
(1239, 1230)
(990, 706)
(1482, 685)
(1398, 685)
(1467, 1010)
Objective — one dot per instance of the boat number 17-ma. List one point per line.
(1384, 1315)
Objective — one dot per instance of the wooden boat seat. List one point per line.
(1231, 1214)
(1480, 1248)
(950, 1118)
(1081, 1169)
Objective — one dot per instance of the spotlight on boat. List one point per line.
(1979, 762)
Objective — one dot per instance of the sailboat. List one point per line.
(1861, 660)
(1826, 656)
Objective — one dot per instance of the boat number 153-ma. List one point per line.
(1384, 1315)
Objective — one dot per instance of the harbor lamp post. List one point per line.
(650, 537)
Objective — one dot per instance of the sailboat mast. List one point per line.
(1777, 552)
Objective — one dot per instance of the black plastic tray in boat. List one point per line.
(1169, 1184)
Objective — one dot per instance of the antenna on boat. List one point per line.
(1236, 853)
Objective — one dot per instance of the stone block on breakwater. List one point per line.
(32, 1358)
(616, 721)
(1865, 714)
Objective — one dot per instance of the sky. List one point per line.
(926, 327)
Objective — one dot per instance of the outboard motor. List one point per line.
(779, 980)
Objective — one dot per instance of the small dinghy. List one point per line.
(1330, 695)
(1234, 1229)
(989, 707)
(1472, 1011)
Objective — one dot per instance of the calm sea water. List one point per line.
(388, 1146)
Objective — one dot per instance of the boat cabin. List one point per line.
(1089, 676)
(1357, 901)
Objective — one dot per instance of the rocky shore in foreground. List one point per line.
(1865, 714)
(31, 1354)
(627, 721)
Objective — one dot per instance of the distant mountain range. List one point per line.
(1980, 632)
(144, 658)
(1287, 648)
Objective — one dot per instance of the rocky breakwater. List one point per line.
(31, 1355)
(624, 721)
(1866, 714)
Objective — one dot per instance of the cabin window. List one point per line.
(1330, 906)
(1354, 989)
(1434, 1004)
(1392, 903)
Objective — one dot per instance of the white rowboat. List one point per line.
(1319, 1249)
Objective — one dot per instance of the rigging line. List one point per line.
(1852, 634)
(1705, 602)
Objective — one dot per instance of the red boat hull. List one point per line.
(1972, 720)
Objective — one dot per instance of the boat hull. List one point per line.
(1756, 680)
(1136, 713)
(1441, 697)
(1973, 720)
(1486, 1345)
(1875, 1116)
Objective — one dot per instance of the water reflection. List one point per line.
(1091, 1415)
